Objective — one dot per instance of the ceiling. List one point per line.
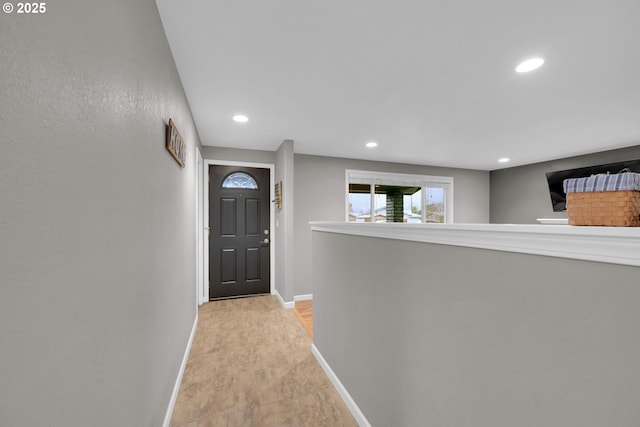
(433, 82)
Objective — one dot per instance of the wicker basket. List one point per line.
(612, 208)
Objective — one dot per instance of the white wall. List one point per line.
(97, 244)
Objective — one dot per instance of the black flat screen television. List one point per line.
(555, 179)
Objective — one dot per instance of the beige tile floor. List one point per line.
(251, 365)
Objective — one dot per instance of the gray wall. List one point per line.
(285, 273)
(320, 196)
(238, 155)
(520, 195)
(436, 335)
(97, 242)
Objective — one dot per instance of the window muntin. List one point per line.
(240, 180)
(398, 197)
(359, 203)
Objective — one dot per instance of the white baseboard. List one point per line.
(284, 303)
(342, 391)
(302, 297)
(176, 386)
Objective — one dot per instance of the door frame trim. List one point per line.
(200, 230)
(272, 214)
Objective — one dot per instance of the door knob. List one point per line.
(265, 242)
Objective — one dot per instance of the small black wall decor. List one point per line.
(175, 144)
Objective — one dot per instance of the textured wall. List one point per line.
(97, 248)
(284, 232)
(520, 195)
(238, 155)
(319, 196)
(440, 335)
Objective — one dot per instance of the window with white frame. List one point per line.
(393, 197)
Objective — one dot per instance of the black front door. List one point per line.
(240, 236)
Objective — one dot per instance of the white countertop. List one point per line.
(617, 245)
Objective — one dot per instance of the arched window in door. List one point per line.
(240, 180)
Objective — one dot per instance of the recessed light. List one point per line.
(240, 118)
(371, 144)
(529, 65)
(503, 160)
